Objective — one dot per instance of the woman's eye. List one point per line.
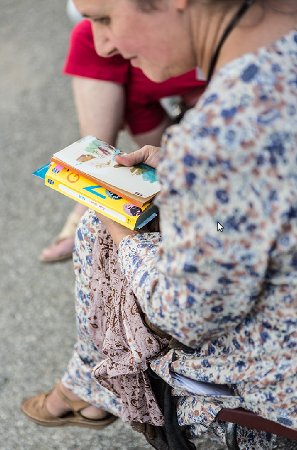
(103, 20)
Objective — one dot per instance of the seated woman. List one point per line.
(229, 296)
(111, 94)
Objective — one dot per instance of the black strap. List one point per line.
(173, 436)
(235, 19)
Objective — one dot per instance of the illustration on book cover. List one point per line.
(96, 158)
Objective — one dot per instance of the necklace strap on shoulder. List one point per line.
(235, 19)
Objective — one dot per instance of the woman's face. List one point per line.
(158, 42)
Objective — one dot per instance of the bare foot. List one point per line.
(60, 250)
(57, 407)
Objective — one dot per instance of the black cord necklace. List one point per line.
(235, 19)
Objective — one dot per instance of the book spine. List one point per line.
(82, 198)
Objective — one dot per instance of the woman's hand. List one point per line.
(116, 230)
(148, 154)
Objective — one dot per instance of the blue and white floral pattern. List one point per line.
(231, 296)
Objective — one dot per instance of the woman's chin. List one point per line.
(151, 73)
(158, 76)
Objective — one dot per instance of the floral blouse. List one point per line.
(230, 295)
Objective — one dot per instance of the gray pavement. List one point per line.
(37, 117)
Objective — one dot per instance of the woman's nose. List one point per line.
(103, 44)
(105, 49)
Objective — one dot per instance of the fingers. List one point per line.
(131, 159)
(148, 155)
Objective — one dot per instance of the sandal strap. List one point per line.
(75, 405)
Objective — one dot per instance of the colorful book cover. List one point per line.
(96, 160)
(94, 196)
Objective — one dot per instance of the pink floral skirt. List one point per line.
(113, 345)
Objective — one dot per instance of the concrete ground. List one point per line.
(37, 117)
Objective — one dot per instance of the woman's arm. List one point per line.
(195, 282)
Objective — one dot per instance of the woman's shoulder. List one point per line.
(259, 88)
(267, 73)
(249, 104)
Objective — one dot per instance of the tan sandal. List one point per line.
(35, 409)
(62, 247)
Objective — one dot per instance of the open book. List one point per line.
(86, 171)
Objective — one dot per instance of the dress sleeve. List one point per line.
(193, 281)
